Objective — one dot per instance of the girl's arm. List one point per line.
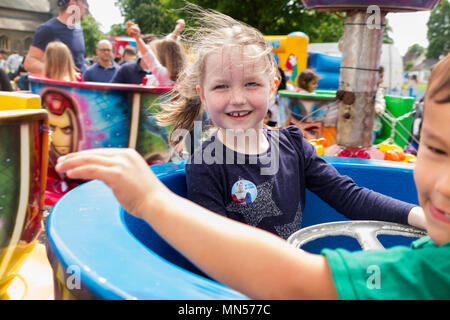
(148, 56)
(175, 35)
(135, 32)
(250, 260)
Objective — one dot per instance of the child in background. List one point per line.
(413, 86)
(165, 58)
(263, 266)
(274, 105)
(267, 118)
(307, 81)
(380, 106)
(58, 63)
(234, 78)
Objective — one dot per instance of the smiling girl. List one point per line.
(234, 78)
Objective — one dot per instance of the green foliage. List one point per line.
(92, 34)
(386, 36)
(416, 49)
(408, 66)
(118, 30)
(152, 16)
(271, 17)
(439, 31)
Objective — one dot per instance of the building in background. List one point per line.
(19, 20)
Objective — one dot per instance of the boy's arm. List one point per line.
(250, 260)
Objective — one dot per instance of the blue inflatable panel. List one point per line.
(328, 81)
(327, 67)
(118, 256)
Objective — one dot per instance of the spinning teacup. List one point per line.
(23, 170)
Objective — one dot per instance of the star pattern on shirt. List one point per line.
(264, 206)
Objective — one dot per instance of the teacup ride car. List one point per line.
(23, 169)
(87, 115)
(99, 251)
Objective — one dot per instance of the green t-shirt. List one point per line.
(419, 272)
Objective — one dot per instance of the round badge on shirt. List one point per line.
(244, 192)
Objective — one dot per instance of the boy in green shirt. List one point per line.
(263, 266)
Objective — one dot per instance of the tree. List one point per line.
(416, 49)
(408, 66)
(271, 17)
(118, 30)
(386, 37)
(92, 34)
(152, 16)
(439, 31)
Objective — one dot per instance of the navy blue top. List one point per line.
(130, 72)
(275, 201)
(97, 73)
(72, 37)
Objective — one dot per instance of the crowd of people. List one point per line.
(58, 52)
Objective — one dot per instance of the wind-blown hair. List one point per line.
(182, 106)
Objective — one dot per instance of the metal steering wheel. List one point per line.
(365, 232)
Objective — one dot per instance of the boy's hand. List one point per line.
(123, 170)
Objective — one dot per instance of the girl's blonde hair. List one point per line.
(182, 106)
(171, 55)
(58, 62)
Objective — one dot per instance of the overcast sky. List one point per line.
(408, 28)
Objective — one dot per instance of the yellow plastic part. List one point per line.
(320, 150)
(388, 146)
(410, 158)
(285, 46)
(33, 280)
(19, 100)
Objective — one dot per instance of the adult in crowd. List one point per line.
(135, 71)
(12, 65)
(64, 28)
(5, 84)
(21, 79)
(3, 56)
(129, 54)
(105, 68)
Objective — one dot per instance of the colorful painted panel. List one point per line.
(23, 169)
(87, 116)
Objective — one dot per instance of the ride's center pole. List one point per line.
(361, 51)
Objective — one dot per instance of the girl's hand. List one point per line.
(180, 25)
(416, 218)
(133, 29)
(123, 170)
